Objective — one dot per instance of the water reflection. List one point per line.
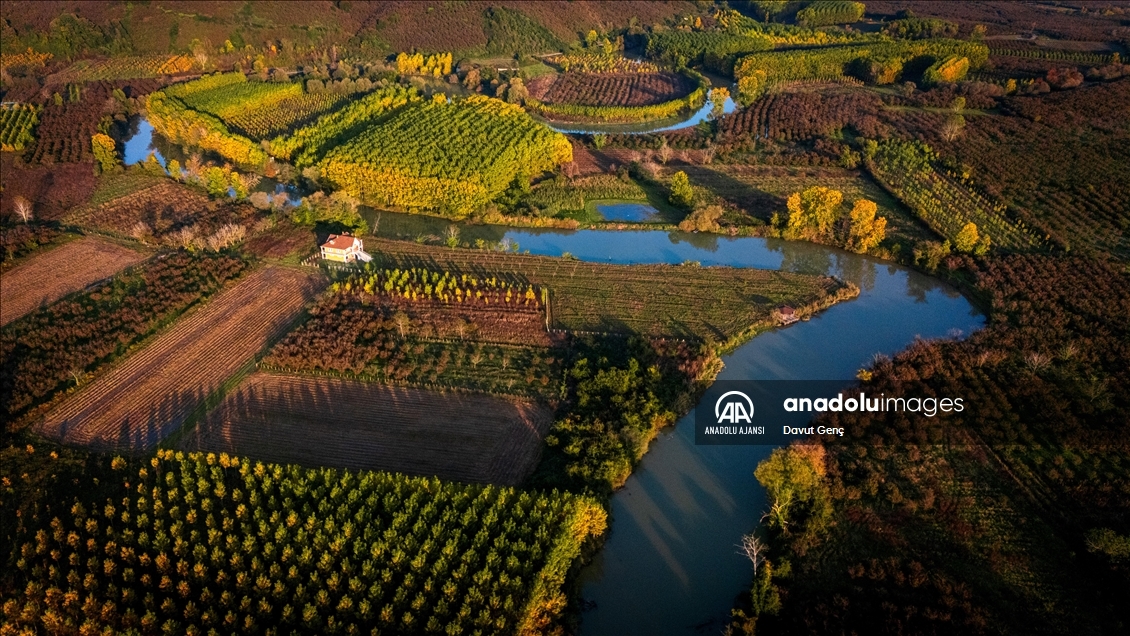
(705, 113)
(670, 565)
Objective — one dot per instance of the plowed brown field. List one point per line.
(135, 405)
(347, 424)
(49, 276)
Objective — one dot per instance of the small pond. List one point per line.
(629, 212)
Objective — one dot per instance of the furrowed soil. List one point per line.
(612, 89)
(49, 276)
(152, 393)
(358, 425)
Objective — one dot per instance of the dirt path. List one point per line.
(49, 276)
(348, 424)
(150, 394)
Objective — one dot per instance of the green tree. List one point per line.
(681, 192)
(794, 479)
(216, 181)
(104, 152)
(867, 230)
(812, 213)
(966, 240)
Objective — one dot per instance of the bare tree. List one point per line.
(665, 152)
(952, 127)
(141, 231)
(402, 322)
(753, 549)
(1037, 361)
(22, 207)
(708, 154)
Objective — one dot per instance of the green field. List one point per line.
(195, 542)
(659, 300)
(450, 157)
(760, 191)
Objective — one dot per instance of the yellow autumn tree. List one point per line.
(867, 230)
(812, 213)
(104, 152)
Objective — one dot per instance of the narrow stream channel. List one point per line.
(670, 565)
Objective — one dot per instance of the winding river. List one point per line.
(670, 564)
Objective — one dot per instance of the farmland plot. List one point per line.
(151, 393)
(759, 191)
(616, 89)
(53, 274)
(358, 425)
(653, 300)
(168, 212)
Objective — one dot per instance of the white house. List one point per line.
(344, 249)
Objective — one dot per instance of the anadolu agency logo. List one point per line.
(732, 409)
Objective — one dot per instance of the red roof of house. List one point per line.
(787, 311)
(340, 242)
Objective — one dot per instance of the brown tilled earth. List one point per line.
(318, 421)
(151, 393)
(49, 276)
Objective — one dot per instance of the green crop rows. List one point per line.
(187, 543)
(452, 157)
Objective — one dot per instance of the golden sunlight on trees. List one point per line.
(104, 153)
(867, 230)
(812, 213)
(681, 192)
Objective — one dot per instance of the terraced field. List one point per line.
(134, 406)
(49, 276)
(316, 421)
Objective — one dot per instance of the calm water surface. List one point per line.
(670, 565)
(632, 212)
(704, 113)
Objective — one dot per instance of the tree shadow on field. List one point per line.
(754, 202)
(161, 420)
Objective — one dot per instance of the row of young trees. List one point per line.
(396, 342)
(17, 124)
(452, 157)
(908, 169)
(423, 284)
(617, 113)
(181, 124)
(880, 62)
(194, 543)
(306, 145)
(828, 12)
(47, 351)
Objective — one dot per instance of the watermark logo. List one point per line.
(733, 407)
